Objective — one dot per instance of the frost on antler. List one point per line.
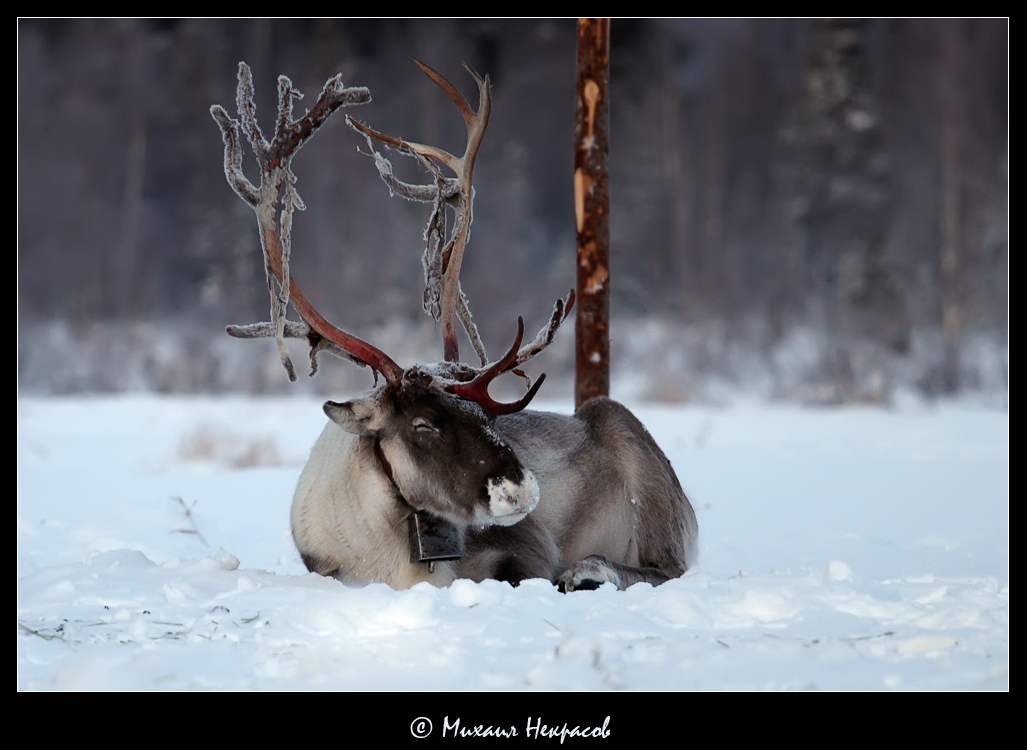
(561, 309)
(443, 298)
(439, 194)
(276, 198)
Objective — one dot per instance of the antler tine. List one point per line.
(477, 390)
(451, 91)
(476, 122)
(561, 309)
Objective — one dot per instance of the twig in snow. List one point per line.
(188, 510)
(44, 636)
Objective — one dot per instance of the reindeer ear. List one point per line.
(361, 416)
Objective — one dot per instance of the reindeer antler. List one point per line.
(444, 299)
(274, 202)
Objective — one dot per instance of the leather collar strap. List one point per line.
(387, 468)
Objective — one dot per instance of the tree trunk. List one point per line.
(592, 209)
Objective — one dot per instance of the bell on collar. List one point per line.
(433, 539)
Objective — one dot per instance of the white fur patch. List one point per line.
(509, 502)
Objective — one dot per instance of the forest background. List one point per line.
(813, 211)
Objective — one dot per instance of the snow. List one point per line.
(840, 549)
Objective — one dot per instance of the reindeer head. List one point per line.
(441, 451)
(434, 438)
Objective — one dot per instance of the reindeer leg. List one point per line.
(595, 570)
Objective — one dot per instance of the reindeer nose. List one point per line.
(510, 500)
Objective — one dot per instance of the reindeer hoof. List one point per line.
(587, 575)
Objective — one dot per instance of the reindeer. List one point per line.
(426, 477)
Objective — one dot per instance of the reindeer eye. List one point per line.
(420, 424)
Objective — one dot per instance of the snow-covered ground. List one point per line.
(849, 548)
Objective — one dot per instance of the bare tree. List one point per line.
(592, 211)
